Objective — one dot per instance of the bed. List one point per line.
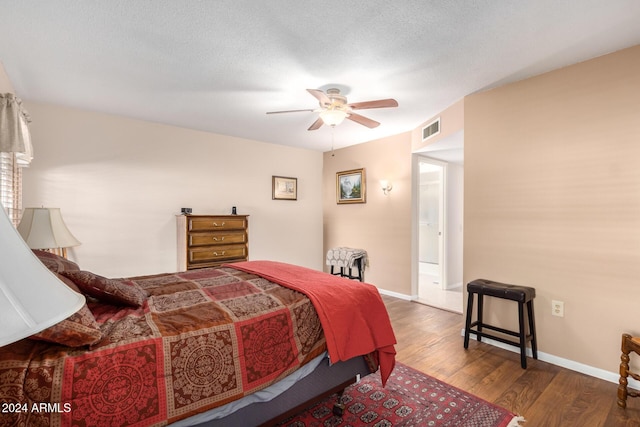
(243, 343)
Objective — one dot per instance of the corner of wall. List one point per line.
(451, 121)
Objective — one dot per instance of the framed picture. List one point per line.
(351, 187)
(284, 188)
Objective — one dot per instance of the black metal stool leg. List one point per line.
(523, 336)
(360, 268)
(480, 314)
(532, 329)
(467, 326)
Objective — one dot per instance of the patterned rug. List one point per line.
(410, 398)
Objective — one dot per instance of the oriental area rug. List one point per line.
(410, 398)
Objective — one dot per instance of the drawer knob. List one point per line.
(215, 224)
(215, 239)
(219, 254)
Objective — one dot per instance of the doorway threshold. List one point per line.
(450, 309)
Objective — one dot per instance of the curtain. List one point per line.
(14, 133)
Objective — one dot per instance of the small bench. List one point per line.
(347, 258)
(523, 295)
(357, 264)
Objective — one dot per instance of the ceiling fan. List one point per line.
(334, 109)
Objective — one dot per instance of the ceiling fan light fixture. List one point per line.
(333, 117)
(334, 108)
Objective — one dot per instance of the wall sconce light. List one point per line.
(386, 186)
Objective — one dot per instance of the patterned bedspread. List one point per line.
(202, 338)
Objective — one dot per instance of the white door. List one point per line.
(430, 217)
(431, 237)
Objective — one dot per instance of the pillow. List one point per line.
(54, 262)
(111, 291)
(76, 330)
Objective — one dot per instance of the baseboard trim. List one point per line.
(592, 371)
(612, 377)
(455, 286)
(397, 295)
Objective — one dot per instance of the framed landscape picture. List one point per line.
(350, 186)
(284, 188)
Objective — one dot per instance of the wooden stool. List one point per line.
(520, 294)
(629, 344)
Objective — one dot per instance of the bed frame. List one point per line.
(324, 381)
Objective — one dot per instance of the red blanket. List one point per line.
(353, 316)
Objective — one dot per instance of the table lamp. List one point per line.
(44, 228)
(32, 298)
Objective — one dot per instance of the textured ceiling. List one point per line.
(218, 66)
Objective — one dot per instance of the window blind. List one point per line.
(11, 186)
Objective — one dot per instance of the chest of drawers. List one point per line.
(211, 240)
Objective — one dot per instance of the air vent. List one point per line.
(431, 129)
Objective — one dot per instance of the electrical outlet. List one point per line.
(557, 308)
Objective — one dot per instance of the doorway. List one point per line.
(434, 287)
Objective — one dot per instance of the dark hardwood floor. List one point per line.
(546, 395)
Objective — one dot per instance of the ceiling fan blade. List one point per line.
(363, 120)
(316, 125)
(320, 96)
(380, 103)
(290, 111)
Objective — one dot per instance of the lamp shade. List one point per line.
(333, 117)
(31, 297)
(44, 228)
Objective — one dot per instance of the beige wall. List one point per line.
(552, 200)
(451, 122)
(382, 225)
(120, 182)
(5, 83)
